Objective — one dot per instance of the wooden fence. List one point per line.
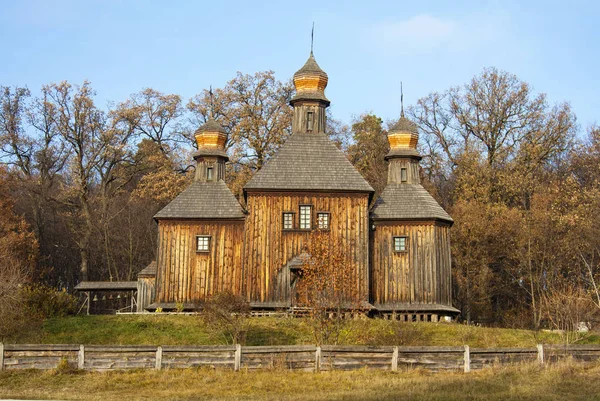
(294, 357)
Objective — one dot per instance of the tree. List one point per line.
(18, 253)
(254, 109)
(368, 150)
(328, 285)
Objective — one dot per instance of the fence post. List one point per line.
(318, 359)
(81, 357)
(467, 358)
(540, 355)
(395, 359)
(1, 356)
(237, 361)
(158, 362)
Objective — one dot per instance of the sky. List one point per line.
(366, 47)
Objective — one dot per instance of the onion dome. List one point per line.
(211, 139)
(310, 82)
(403, 138)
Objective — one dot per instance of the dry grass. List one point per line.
(525, 382)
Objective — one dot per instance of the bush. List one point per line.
(227, 314)
(47, 302)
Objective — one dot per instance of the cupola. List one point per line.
(211, 155)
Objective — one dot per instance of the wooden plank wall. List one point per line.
(296, 357)
(184, 275)
(420, 275)
(268, 248)
(146, 292)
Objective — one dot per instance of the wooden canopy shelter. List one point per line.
(88, 287)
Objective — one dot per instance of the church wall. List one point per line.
(269, 248)
(184, 275)
(421, 275)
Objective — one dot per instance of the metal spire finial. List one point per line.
(401, 101)
(212, 106)
(312, 38)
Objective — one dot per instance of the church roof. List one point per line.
(148, 271)
(404, 124)
(407, 202)
(310, 68)
(203, 200)
(309, 162)
(211, 126)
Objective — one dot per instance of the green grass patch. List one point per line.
(163, 329)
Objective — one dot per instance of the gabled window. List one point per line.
(323, 220)
(310, 121)
(209, 174)
(288, 220)
(202, 243)
(403, 175)
(400, 244)
(305, 217)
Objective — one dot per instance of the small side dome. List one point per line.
(404, 124)
(403, 138)
(211, 138)
(310, 81)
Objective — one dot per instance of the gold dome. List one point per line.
(211, 139)
(310, 81)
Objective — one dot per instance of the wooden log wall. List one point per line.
(184, 275)
(146, 292)
(296, 357)
(268, 248)
(422, 275)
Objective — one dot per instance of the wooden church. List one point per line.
(210, 243)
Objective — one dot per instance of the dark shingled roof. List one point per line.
(203, 200)
(148, 271)
(106, 286)
(404, 124)
(310, 68)
(309, 162)
(407, 202)
(211, 126)
(403, 153)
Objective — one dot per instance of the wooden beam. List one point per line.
(395, 359)
(467, 358)
(318, 359)
(237, 362)
(1, 356)
(540, 356)
(158, 361)
(81, 357)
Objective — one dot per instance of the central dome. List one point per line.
(310, 81)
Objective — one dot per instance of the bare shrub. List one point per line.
(226, 315)
(567, 306)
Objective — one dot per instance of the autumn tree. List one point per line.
(368, 150)
(18, 253)
(328, 285)
(255, 110)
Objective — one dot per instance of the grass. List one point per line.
(157, 329)
(523, 382)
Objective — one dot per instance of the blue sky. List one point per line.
(366, 47)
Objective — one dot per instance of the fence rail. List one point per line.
(294, 357)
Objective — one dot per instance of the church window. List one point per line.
(403, 175)
(288, 221)
(323, 221)
(305, 217)
(400, 244)
(202, 243)
(310, 121)
(209, 174)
